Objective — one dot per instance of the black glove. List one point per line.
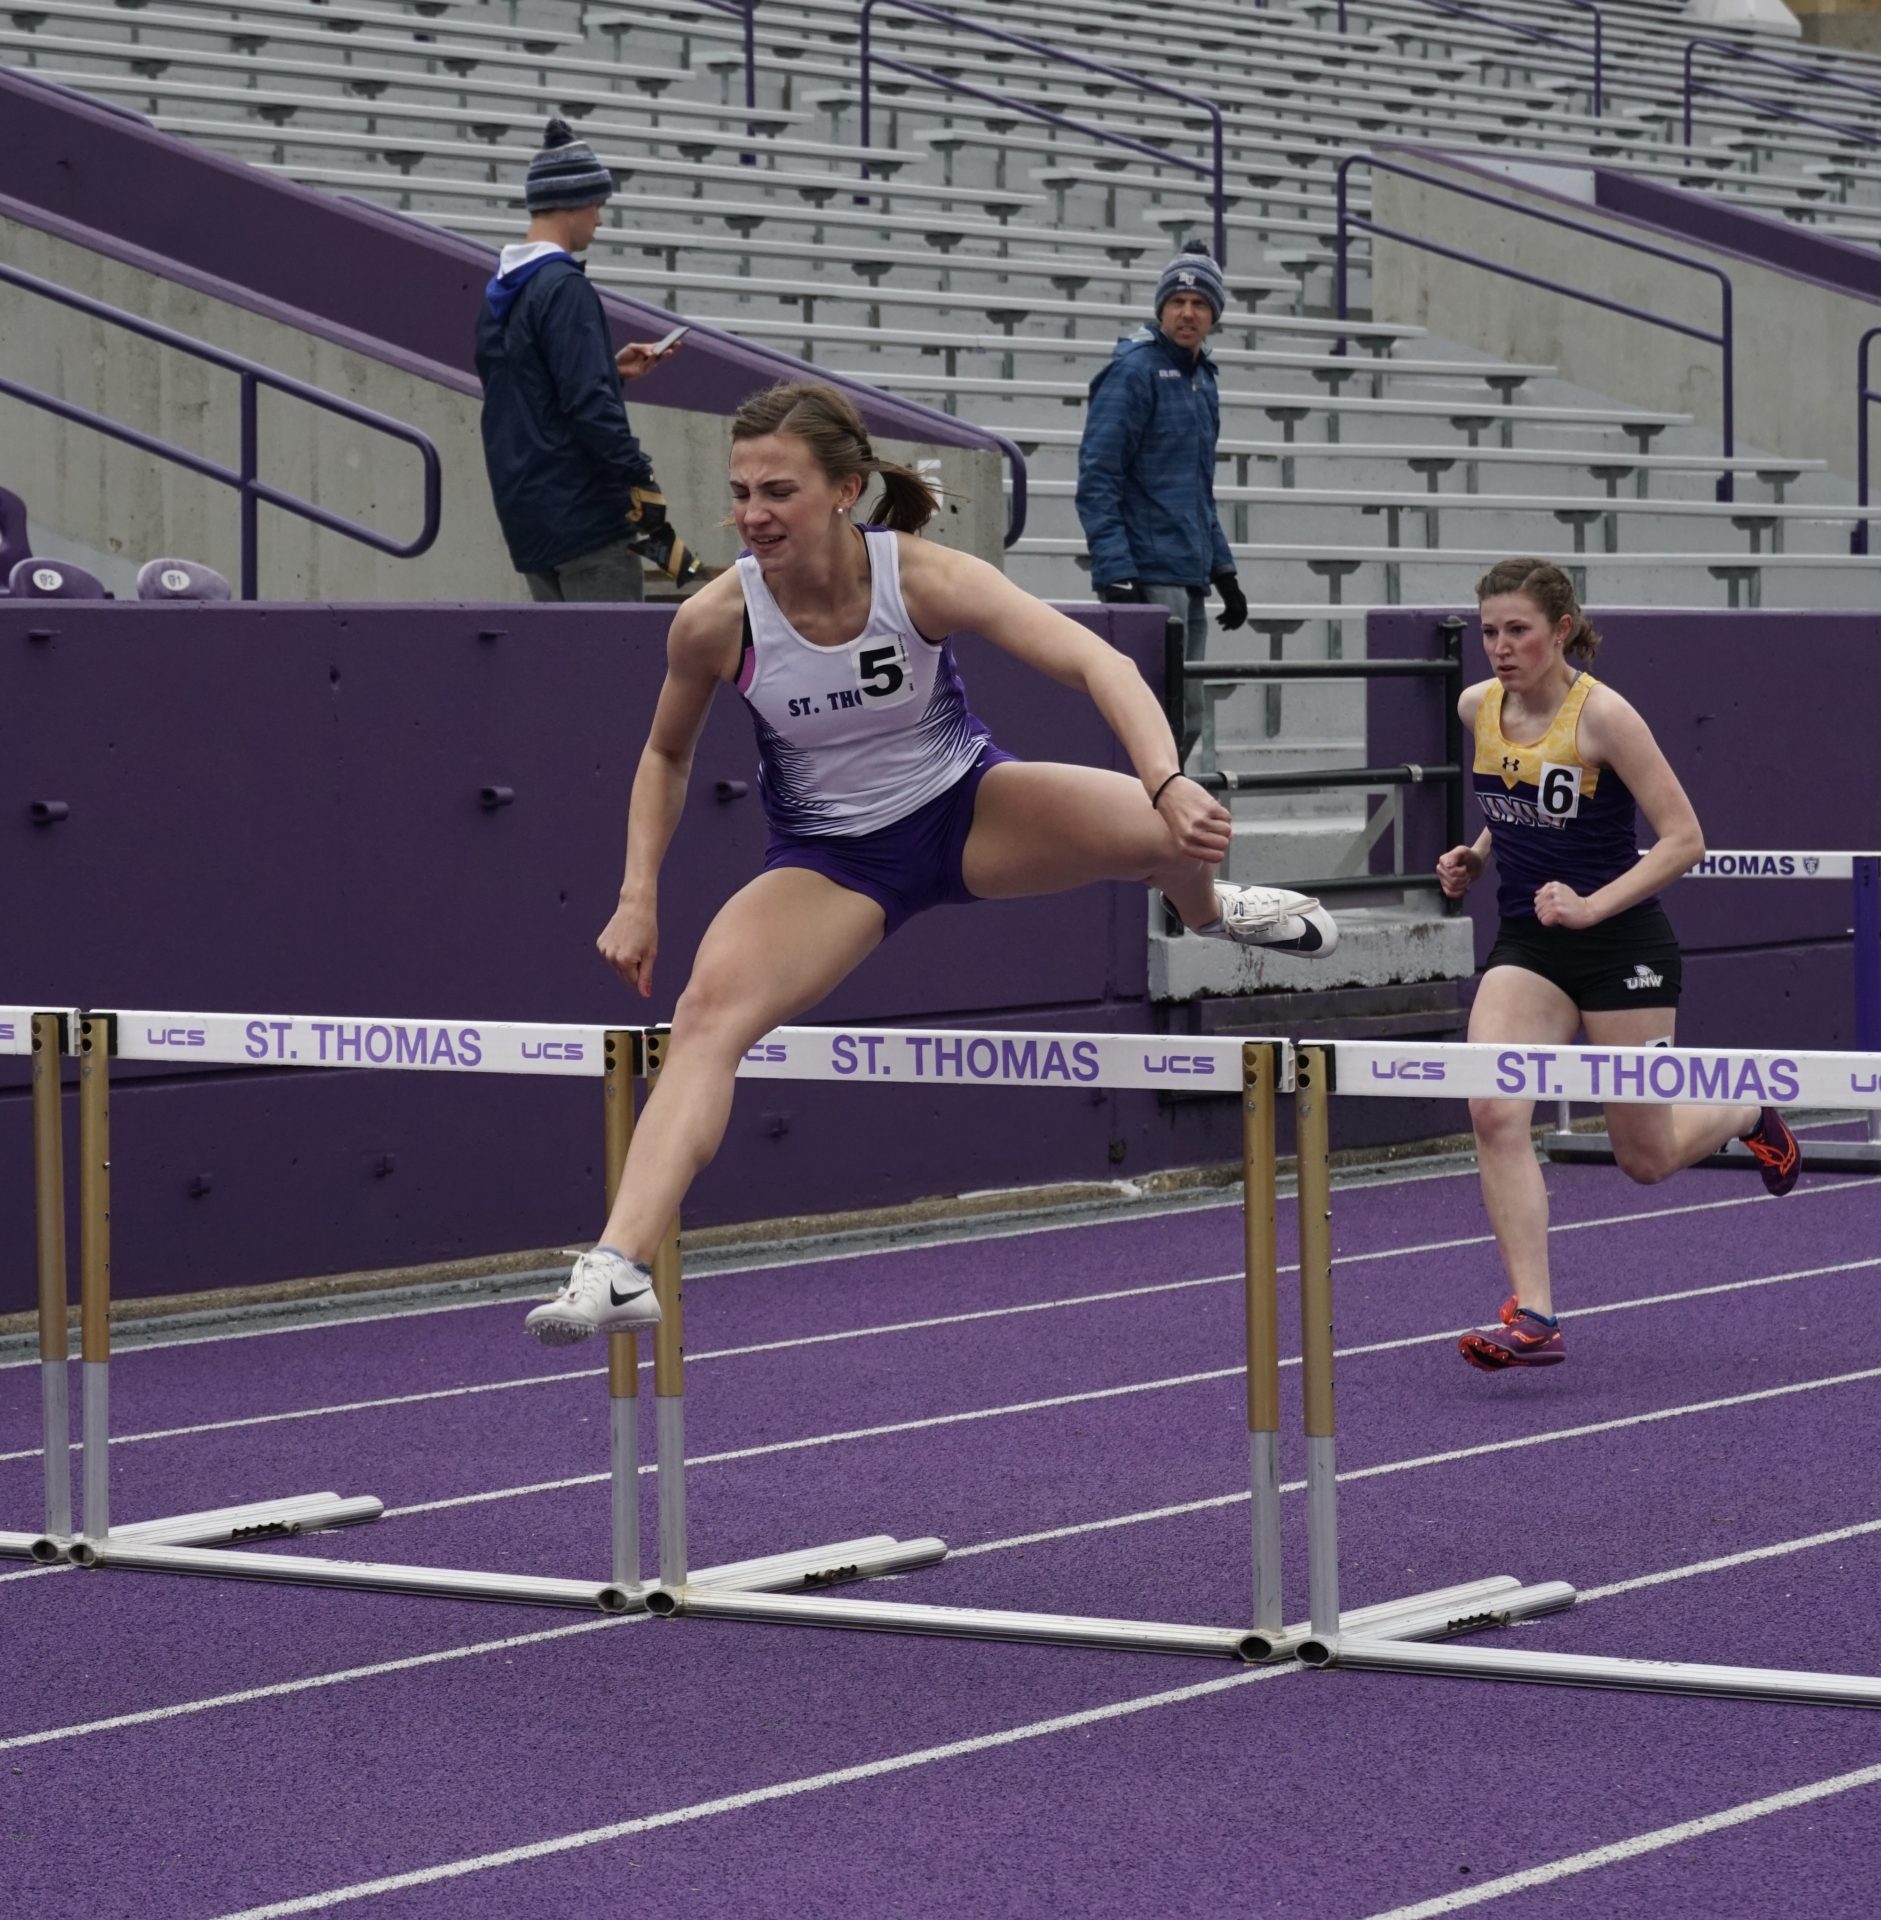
(1119, 593)
(652, 535)
(1233, 601)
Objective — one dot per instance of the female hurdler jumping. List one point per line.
(1560, 761)
(883, 793)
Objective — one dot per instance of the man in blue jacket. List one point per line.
(574, 490)
(1146, 467)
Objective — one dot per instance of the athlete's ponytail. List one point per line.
(829, 425)
(1552, 592)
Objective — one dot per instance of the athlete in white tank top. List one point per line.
(854, 737)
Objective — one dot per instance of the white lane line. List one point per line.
(1091, 1395)
(898, 1327)
(152, 1716)
(1064, 1723)
(758, 1796)
(918, 1241)
(1619, 1850)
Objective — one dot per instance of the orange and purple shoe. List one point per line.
(1520, 1338)
(1773, 1146)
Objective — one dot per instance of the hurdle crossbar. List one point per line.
(1863, 870)
(195, 1543)
(1627, 1075)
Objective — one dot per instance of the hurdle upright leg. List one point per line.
(1496, 1601)
(43, 1034)
(623, 1349)
(49, 1222)
(1260, 1246)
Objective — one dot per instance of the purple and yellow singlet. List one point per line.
(1550, 815)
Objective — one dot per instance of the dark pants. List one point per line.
(612, 572)
(1190, 606)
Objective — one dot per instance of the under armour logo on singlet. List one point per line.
(1510, 764)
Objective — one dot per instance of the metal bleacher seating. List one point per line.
(990, 258)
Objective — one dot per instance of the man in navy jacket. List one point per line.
(1146, 467)
(574, 490)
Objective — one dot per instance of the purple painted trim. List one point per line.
(1495, 192)
(1534, 33)
(113, 247)
(1756, 57)
(871, 60)
(1839, 265)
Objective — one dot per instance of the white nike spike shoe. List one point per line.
(606, 1293)
(1273, 917)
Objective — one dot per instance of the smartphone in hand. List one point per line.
(668, 341)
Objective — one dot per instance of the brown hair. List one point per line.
(1552, 591)
(829, 425)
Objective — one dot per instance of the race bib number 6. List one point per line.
(883, 675)
(1559, 795)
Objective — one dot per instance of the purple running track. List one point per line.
(1337, 1794)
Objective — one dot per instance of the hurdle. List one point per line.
(1827, 1156)
(1636, 1076)
(1260, 1069)
(183, 1545)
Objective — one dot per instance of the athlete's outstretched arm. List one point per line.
(702, 640)
(948, 592)
(1614, 735)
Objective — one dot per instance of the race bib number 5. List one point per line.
(883, 675)
(1559, 795)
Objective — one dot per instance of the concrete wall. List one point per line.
(1737, 703)
(1797, 320)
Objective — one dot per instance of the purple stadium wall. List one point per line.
(277, 809)
(1738, 703)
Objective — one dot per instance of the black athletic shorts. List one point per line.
(1631, 960)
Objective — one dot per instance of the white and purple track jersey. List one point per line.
(854, 737)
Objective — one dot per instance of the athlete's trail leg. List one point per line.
(1653, 1143)
(1043, 828)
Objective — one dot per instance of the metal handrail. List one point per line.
(871, 59)
(1821, 75)
(254, 376)
(1449, 773)
(1525, 32)
(1865, 397)
(1723, 339)
(747, 10)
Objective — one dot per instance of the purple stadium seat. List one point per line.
(14, 545)
(33, 579)
(181, 580)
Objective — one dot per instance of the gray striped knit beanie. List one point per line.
(565, 174)
(1192, 272)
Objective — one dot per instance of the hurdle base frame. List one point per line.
(842, 1560)
(1602, 1672)
(1466, 1608)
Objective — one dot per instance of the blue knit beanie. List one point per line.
(565, 174)
(1192, 271)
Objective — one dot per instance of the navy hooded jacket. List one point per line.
(556, 443)
(1146, 466)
